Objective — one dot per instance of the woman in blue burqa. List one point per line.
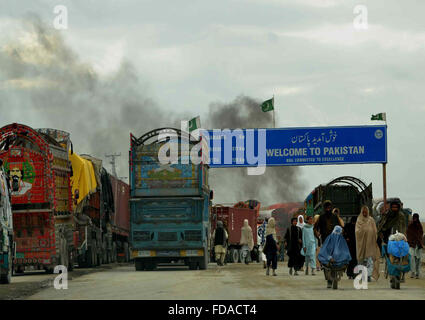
(334, 251)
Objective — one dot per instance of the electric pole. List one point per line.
(112, 162)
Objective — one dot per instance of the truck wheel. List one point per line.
(49, 270)
(105, 259)
(203, 262)
(234, 255)
(150, 266)
(6, 278)
(140, 266)
(89, 258)
(126, 252)
(193, 265)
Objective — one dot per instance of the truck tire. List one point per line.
(126, 252)
(150, 266)
(90, 259)
(6, 278)
(203, 262)
(114, 252)
(139, 265)
(105, 259)
(49, 270)
(193, 265)
(234, 255)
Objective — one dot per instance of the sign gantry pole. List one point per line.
(384, 175)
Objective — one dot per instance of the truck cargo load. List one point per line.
(348, 194)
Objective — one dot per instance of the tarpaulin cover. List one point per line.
(107, 194)
(398, 249)
(335, 247)
(83, 177)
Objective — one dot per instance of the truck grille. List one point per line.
(141, 236)
(167, 236)
(193, 235)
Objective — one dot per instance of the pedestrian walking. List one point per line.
(334, 253)
(262, 236)
(327, 221)
(293, 243)
(318, 241)
(350, 237)
(415, 235)
(220, 240)
(247, 241)
(337, 212)
(270, 247)
(392, 221)
(368, 253)
(309, 246)
(301, 224)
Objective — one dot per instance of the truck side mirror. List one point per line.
(211, 194)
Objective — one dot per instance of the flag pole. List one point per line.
(274, 121)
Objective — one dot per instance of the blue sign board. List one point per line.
(297, 146)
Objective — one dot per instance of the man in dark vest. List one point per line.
(220, 240)
(327, 221)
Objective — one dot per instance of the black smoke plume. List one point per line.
(277, 184)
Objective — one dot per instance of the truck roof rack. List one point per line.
(144, 139)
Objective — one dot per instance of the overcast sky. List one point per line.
(190, 54)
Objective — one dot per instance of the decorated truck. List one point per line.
(169, 202)
(63, 204)
(347, 193)
(101, 208)
(233, 218)
(39, 170)
(6, 229)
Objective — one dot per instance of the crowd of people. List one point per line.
(325, 239)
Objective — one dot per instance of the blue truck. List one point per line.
(169, 202)
(6, 229)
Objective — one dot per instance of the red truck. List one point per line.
(233, 219)
(39, 171)
(55, 222)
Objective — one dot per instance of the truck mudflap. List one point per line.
(167, 253)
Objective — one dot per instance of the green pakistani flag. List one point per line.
(194, 124)
(268, 105)
(379, 116)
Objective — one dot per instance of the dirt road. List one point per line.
(234, 281)
(29, 283)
